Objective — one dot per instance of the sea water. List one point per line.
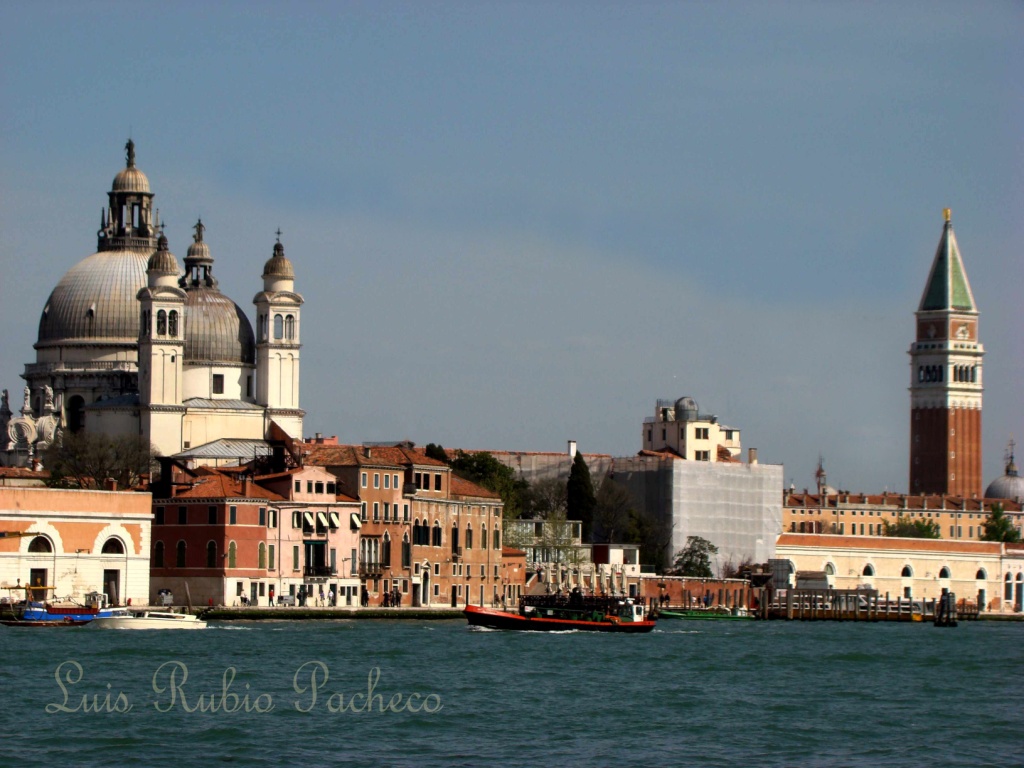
(437, 693)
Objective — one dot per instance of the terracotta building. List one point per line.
(946, 380)
(427, 533)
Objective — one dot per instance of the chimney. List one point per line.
(319, 437)
(572, 449)
(752, 457)
(110, 484)
(246, 487)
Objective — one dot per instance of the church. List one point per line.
(130, 343)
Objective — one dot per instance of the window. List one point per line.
(376, 479)
(394, 482)
(362, 480)
(158, 555)
(869, 570)
(262, 555)
(182, 515)
(701, 433)
(271, 562)
(232, 515)
(309, 486)
(232, 555)
(497, 539)
(172, 323)
(180, 555)
(483, 537)
(278, 326)
(248, 386)
(469, 538)
(211, 554)
(417, 479)
(907, 572)
(362, 512)
(158, 516)
(295, 557)
(387, 508)
(376, 511)
(263, 515)
(387, 481)
(289, 327)
(298, 486)
(435, 535)
(702, 455)
(318, 487)
(211, 515)
(296, 519)
(385, 554)
(944, 572)
(405, 513)
(218, 383)
(161, 323)
(331, 489)
(437, 482)
(406, 551)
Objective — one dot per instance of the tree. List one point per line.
(911, 529)
(545, 498)
(483, 469)
(998, 527)
(613, 508)
(85, 460)
(695, 558)
(436, 452)
(654, 535)
(580, 496)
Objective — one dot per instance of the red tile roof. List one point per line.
(460, 486)
(216, 485)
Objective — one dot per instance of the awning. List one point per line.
(335, 522)
(321, 518)
(308, 517)
(356, 523)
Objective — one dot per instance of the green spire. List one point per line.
(947, 287)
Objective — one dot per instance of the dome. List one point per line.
(216, 329)
(163, 260)
(1009, 486)
(131, 179)
(96, 299)
(279, 265)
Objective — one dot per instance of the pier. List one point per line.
(804, 604)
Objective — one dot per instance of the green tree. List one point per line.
(436, 452)
(998, 527)
(613, 510)
(906, 528)
(695, 558)
(483, 469)
(580, 496)
(85, 460)
(545, 498)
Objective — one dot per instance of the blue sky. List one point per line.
(520, 223)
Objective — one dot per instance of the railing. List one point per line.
(319, 571)
(370, 569)
(99, 365)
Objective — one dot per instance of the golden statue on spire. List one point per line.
(947, 213)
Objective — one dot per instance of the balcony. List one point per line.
(370, 569)
(319, 572)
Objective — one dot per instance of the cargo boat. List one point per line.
(705, 614)
(561, 613)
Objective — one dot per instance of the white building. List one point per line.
(679, 427)
(130, 344)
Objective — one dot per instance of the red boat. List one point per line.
(559, 613)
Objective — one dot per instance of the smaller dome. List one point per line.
(162, 259)
(199, 251)
(131, 179)
(1009, 486)
(278, 265)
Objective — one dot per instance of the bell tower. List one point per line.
(278, 342)
(946, 380)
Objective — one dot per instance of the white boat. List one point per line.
(124, 618)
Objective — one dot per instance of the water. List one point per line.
(693, 693)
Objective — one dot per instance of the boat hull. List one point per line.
(37, 615)
(494, 619)
(148, 620)
(705, 616)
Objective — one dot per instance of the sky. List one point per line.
(516, 224)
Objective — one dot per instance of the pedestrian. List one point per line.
(271, 596)
(330, 596)
(320, 599)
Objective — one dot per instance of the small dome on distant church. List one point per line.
(162, 259)
(279, 265)
(1010, 485)
(130, 178)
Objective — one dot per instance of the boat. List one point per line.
(705, 614)
(560, 613)
(38, 614)
(142, 618)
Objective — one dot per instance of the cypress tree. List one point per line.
(580, 493)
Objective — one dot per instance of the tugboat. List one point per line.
(560, 613)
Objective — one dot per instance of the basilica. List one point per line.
(130, 343)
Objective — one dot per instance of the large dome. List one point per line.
(1009, 486)
(216, 329)
(95, 300)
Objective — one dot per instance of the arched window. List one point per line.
(907, 572)
(158, 555)
(469, 538)
(944, 573)
(76, 413)
(981, 575)
(385, 552)
(232, 555)
(483, 538)
(869, 570)
(211, 554)
(278, 326)
(497, 538)
(40, 544)
(172, 323)
(161, 323)
(830, 570)
(289, 327)
(436, 535)
(180, 555)
(262, 556)
(406, 552)
(113, 546)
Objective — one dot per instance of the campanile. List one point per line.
(946, 380)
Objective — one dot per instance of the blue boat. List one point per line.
(37, 614)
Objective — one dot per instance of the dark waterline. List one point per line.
(691, 693)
